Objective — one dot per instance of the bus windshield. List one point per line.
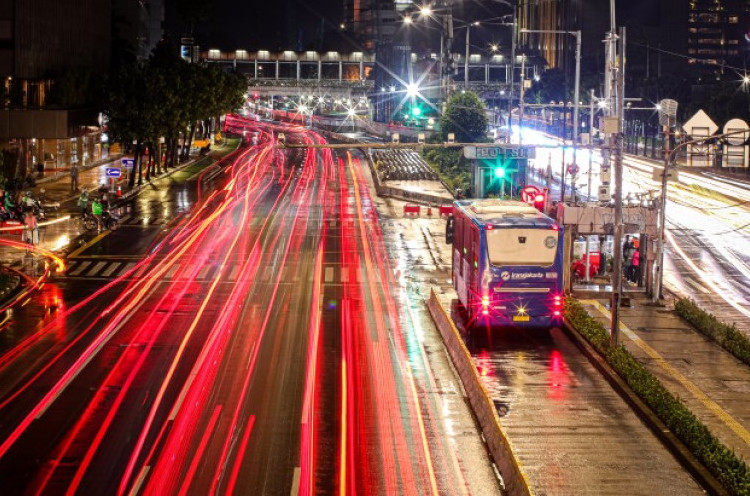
(520, 246)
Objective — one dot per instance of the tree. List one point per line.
(550, 87)
(465, 115)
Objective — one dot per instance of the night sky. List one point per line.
(272, 24)
(313, 24)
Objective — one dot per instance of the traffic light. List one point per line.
(499, 171)
(416, 111)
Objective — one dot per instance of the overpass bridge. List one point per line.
(350, 75)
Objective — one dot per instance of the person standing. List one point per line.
(31, 228)
(83, 202)
(636, 266)
(97, 210)
(74, 178)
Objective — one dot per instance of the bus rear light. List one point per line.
(485, 312)
(556, 313)
(485, 301)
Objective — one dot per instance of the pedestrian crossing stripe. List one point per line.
(79, 269)
(332, 274)
(96, 268)
(111, 269)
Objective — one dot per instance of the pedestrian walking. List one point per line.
(74, 178)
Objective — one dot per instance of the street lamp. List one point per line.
(576, 96)
(466, 60)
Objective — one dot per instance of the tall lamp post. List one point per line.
(466, 59)
(576, 92)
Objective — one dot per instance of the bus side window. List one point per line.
(475, 248)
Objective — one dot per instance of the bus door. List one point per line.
(473, 259)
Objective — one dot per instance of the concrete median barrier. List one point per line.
(501, 449)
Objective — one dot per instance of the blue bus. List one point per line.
(507, 263)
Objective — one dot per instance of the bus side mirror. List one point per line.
(449, 231)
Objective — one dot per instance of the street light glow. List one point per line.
(351, 112)
(412, 89)
(407, 20)
(494, 47)
(425, 10)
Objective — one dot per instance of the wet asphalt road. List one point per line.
(241, 337)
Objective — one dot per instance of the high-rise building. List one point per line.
(40, 39)
(717, 31)
(558, 50)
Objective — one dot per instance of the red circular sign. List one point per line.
(529, 193)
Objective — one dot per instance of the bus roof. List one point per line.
(505, 213)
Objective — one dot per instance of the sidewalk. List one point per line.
(63, 227)
(712, 383)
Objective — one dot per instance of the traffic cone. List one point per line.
(119, 192)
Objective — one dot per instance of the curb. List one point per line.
(652, 421)
(502, 451)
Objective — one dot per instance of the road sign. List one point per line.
(529, 193)
(700, 125)
(112, 172)
(506, 152)
(573, 169)
(656, 175)
(128, 163)
(736, 126)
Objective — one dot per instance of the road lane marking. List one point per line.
(295, 482)
(344, 274)
(697, 393)
(203, 273)
(172, 271)
(329, 275)
(129, 266)
(88, 245)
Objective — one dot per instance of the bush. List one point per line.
(727, 336)
(731, 471)
(450, 166)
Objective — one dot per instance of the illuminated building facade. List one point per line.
(718, 31)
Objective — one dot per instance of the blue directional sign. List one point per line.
(113, 172)
(128, 163)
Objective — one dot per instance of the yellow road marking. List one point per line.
(675, 374)
(88, 245)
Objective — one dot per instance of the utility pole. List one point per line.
(512, 70)
(520, 99)
(576, 113)
(466, 59)
(588, 191)
(667, 112)
(617, 87)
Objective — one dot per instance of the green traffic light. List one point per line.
(499, 172)
(416, 111)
